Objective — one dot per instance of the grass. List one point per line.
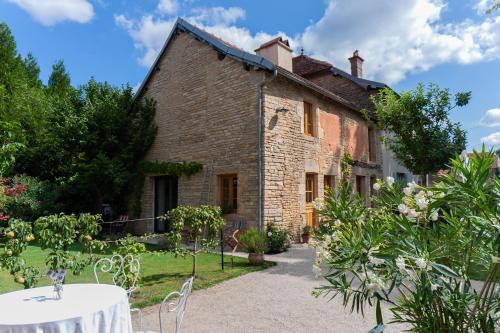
(161, 273)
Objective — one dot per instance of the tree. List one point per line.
(495, 6)
(202, 225)
(422, 136)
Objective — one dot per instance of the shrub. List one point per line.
(420, 243)
(307, 230)
(277, 240)
(254, 241)
(129, 245)
(27, 198)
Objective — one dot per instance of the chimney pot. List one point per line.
(356, 64)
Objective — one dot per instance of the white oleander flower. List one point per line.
(376, 187)
(337, 223)
(434, 216)
(400, 262)
(402, 208)
(269, 234)
(422, 203)
(412, 213)
(389, 180)
(421, 263)
(408, 191)
(434, 286)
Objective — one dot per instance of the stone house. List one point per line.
(269, 129)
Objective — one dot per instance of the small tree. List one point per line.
(423, 136)
(58, 232)
(201, 226)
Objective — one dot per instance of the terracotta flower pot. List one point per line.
(255, 259)
(305, 238)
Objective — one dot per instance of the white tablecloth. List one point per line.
(89, 308)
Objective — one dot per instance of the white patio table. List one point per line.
(84, 308)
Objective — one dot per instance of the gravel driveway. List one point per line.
(274, 300)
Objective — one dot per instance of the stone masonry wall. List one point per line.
(206, 112)
(290, 154)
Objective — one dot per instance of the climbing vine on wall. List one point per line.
(159, 168)
(171, 168)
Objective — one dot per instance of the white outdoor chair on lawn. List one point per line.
(174, 302)
(118, 266)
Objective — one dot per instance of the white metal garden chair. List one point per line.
(118, 266)
(174, 302)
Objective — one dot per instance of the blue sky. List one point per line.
(453, 44)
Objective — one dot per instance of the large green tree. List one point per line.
(87, 140)
(23, 102)
(422, 136)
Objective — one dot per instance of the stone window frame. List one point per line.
(315, 119)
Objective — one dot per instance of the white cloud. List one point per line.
(492, 139)
(149, 33)
(483, 5)
(491, 118)
(394, 37)
(398, 37)
(50, 12)
(169, 7)
(218, 15)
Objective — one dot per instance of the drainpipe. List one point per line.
(261, 148)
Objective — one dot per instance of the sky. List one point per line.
(454, 44)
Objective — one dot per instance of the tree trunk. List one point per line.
(194, 256)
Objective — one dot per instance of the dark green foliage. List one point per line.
(424, 138)
(87, 140)
(277, 240)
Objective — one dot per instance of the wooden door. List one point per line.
(165, 199)
(311, 192)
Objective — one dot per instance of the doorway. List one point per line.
(166, 192)
(311, 194)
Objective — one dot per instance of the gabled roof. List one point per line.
(234, 52)
(361, 82)
(218, 44)
(313, 66)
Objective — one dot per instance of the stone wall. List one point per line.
(290, 154)
(206, 112)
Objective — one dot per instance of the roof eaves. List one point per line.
(218, 45)
(364, 83)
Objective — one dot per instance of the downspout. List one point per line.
(261, 147)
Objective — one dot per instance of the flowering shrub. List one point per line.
(416, 248)
(277, 240)
(26, 198)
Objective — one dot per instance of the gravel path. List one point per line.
(274, 300)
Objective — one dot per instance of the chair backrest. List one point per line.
(176, 302)
(124, 271)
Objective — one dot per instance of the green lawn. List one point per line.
(161, 273)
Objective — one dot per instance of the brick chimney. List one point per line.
(356, 64)
(277, 51)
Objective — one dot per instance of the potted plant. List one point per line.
(255, 243)
(306, 233)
